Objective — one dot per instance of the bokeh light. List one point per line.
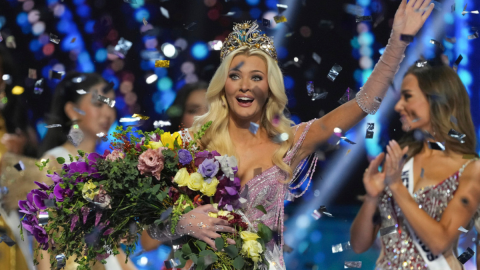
(200, 50)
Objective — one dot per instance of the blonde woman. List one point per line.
(425, 196)
(248, 88)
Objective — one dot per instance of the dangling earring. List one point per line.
(75, 135)
(223, 102)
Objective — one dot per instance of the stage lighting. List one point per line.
(169, 50)
(152, 78)
(200, 50)
(165, 84)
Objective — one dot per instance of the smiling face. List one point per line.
(246, 88)
(98, 115)
(413, 106)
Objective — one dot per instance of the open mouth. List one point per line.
(244, 100)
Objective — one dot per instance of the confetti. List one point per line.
(388, 230)
(102, 136)
(75, 136)
(19, 166)
(347, 96)
(341, 247)
(468, 156)
(38, 89)
(143, 117)
(122, 47)
(436, 146)
(10, 42)
(129, 119)
(370, 127)
(215, 45)
(347, 140)
(452, 40)
(457, 62)
(406, 38)
(190, 26)
(281, 138)
(49, 202)
(363, 19)
(473, 36)
(78, 111)
(453, 119)
(348, 152)
(160, 124)
(106, 100)
(438, 44)
(287, 248)
(266, 22)
(79, 79)
(289, 196)
(61, 261)
(53, 126)
(353, 264)
(319, 94)
(32, 73)
(43, 218)
(421, 63)
(56, 74)
(280, 19)
(231, 13)
(465, 256)
(162, 63)
(422, 173)
(310, 88)
(253, 128)
(5, 238)
(334, 71)
(81, 92)
(456, 135)
(281, 8)
(169, 264)
(145, 21)
(463, 229)
(164, 12)
(54, 38)
(321, 210)
(473, 12)
(73, 40)
(3, 191)
(317, 58)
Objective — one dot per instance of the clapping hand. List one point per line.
(394, 162)
(374, 180)
(411, 16)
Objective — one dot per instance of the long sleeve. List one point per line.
(162, 233)
(372, 93)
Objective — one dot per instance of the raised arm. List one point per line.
(409, 18)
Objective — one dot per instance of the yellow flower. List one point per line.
(168, 139)
(88, 191)
(182, 177)
(247, 236)
(252, 249)
(212, 214)
(225, 214)
(195, 182)
(210, 189)
(154, 145)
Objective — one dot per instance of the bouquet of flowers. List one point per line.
(96, 201)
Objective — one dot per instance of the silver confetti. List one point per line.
(172, 263)
(317, 58)
(54, 38)
(347, 96)
(363, 19)
(341, 247)
(54, 126)
(463, 229)
(61, 260)
(43, 218)
(253, 128)
(456, 135)
(473, 36)
(438, 44)
(465, 256)
(370, 128)
(38, 87)
(129, 119)
(75, 136)
(164, 12)
(353, 264)
(122, 47)
(19, 166)
(334, 71)
(81, 92)
(106, 100)
(436, 146)
(78, 111)
(421, 63)
(160, 124)
(79, 79)
(5, 238)
(388, 230)
(102, 136)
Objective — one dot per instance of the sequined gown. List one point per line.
(398, 250)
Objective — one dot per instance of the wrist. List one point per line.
(395, 186)
(371, 199)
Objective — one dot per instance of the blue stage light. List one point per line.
(288, 82)
(295, 119)
(366, 39)
(83, 11)
(282, 52)
(255, 13)
(315, 236)
(165, 84)
(180, 84)
(2, 21)
(89, 26)
(466, 77)
(41, 128)
(147, 65)
(65, 26)
(141, 13)
(165, 101)
(253, 2)
(35, 45)
(363, 3)
(271, 4)
(22, 19)
(101, 55)
(161, 72)
(120, 103)
(199, 50)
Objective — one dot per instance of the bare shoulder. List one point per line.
(472, 171)
(298, 130)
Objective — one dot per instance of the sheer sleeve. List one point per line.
(163, 233)
(372, 93)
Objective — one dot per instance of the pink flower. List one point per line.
(116, 154)
(151, 162)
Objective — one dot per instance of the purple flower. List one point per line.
(85, 211)
(102, 256)
(184, 156)
(29, 222)
(208, 169)
(61, 193)
(98, 216)
(108, 231)
(55, 177)
(153, 138)
(73, 223)
(227, 193)
(41, 236)
(201, 156)
(42, 186)
(27, 207)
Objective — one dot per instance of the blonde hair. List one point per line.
(217, 136)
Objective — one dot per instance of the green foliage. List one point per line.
(232, 251)
(264, 232)
(219, 243)
(261, 208)
(42, 164)
(60, 160)
(238, 263)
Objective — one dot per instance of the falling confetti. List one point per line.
(38, 89)
(363, 18)
(463, 229)
(19, 166)
(341, 247)
(122, 47)
(465, 256)
(266, 22)
(438, 44)
(355, 264)
(388, 230)
(54, 38)
(370, 127)
(164, 12)
(253, 128)
(456, 135)
(53, 126)
(334, 71)
(280, 19)
(73, 40)
(56, 74)
(162, 63)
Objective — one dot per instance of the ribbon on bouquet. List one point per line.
(272, 256)
(433, 262)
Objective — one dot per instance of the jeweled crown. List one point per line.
(247, 34)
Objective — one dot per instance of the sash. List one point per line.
(433, 262)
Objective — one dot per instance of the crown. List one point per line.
(247, 34)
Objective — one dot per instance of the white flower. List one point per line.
(227, 164)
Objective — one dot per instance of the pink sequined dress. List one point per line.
(398, 251)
